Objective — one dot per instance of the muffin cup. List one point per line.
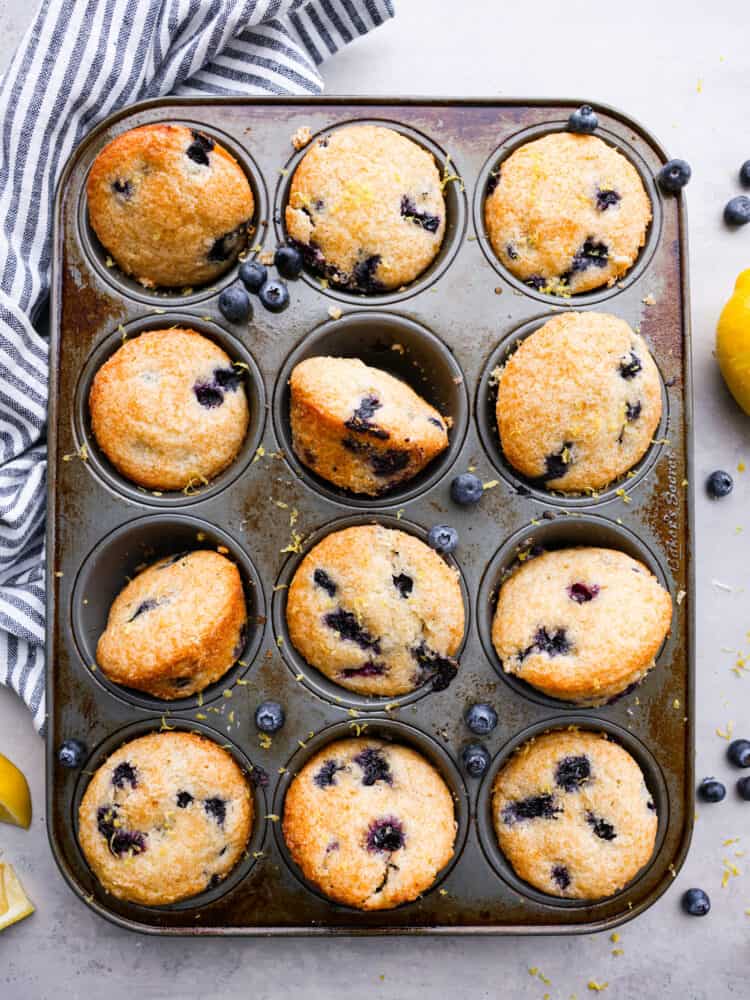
(98, 463)
(558, 533)
(402, 348)
(486, 829)
(118, 557)
(390, 731)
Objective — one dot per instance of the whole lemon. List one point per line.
(733, 341)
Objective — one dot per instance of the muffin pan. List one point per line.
(444, 334)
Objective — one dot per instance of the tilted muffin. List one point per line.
(377, 611)
(177, 627)
(573, 815)
(165, 817)
(579, 402)
(169, 204)
(169, 409)
(567, 213)
(366, 207)
(581, 624)
(359, 427)
(371, 824)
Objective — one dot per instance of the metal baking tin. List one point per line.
(453, 325)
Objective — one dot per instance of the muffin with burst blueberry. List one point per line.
(169, 409)
(366, 208)
(573, 815)
(578, 403)
(165, 817)
(567, 213)
(361, 428)
(581, 624)
(377, 611)
(170, 205)
(371, 824)
(176, 627)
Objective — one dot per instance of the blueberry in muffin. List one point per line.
(371, 824)
(366, 208)
(169, 409)
(567, 213)
(177, 627)
(573, 815)
(581, 624)
(164, 818)
(579, 402)
(377, 611)
(359, 427)
(170, 205)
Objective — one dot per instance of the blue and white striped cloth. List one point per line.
(79, 61)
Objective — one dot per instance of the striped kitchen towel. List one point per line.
(80, 61)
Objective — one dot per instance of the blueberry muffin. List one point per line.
(579, 402)
(169, 409)
(567, 213)
(169, 204)
(165, 817)
(366, 208)
(581, 624)
(377, 611)
(359, 427)
(369, 823)
(176, 627)
(573, 815)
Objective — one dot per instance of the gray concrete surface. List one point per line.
(683, 71)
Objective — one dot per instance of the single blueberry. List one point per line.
(105, 820)
(630, 366)
(745, 174)
(711, 790)
(235, 305)
(561, 876)
(442, 538)
(253, 275)
(743, 788)
(673, 176)
(269, 717)
(591, 254)
(363, 275)
(131, 841)
(386, 463)
(224, 246)
(370, 668)
(606, 198)
(581, 593)
(432, 666)
(552, 643)
(403, 584)
(143, 608)
(601, 827)
(274, 295)
(476, 759)
(326, 776)
(556, 464)
(536, 807)
(738, 752)
(386, 835)
(696, 902)
(216, 808)
(184, 799)
(467, 489)
(348, 627)
(481, 718)
(229, 379)
(361, 421)
(572, 772)
(199, 148)
(71, 753)
(583, 120)
(426, 220)
(633, 411)
(737, 211)
(208, 395)
(125, 188)
(374, 766)
(124, 774)
(719, 484)
(322, 579)
(288, 261)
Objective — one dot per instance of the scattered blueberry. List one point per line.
(253, 275)
(696, 903)
(674, 175)
(71, 753)
(737, 211)
(234, 303)
(481, 719)
(476, 759)
(711, 790)
(274, 295)
(269, 717)
(719, 484)
(743, 788)
(442, 538)
(584, 120)
(745, 174)
(288, 261)
(467, 489)
(739, 753)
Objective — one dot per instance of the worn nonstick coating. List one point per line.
(444, 334)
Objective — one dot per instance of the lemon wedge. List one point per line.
(15, 800)
(733, 342)
(14, 903)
